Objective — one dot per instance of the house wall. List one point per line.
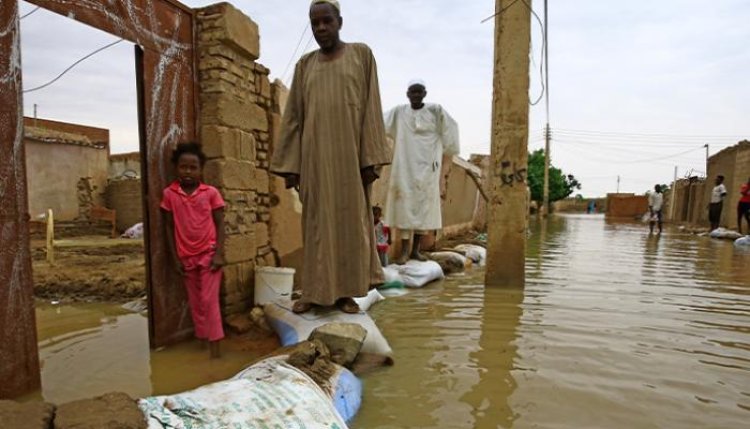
(626, 205)
(53, 171)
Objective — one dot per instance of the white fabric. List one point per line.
(743, 242)
(717, 194)
(417, 82)
(477, 254)
(656, 201)
(725, 234)
(422, 137)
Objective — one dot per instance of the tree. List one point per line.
(560, 185)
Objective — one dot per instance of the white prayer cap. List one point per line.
(334, 3)
(417, 82)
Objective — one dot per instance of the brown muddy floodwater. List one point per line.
(615, 329)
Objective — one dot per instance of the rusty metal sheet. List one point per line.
(164, 29)
(160, 25)
(169, 117)
(19, 360)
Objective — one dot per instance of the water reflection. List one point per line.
(91, 349)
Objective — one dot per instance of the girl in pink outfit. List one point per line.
(194, 213)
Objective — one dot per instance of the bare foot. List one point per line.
(348, 305)
(214, 350)
(300, 307)
(403, 259)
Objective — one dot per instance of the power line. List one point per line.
(617, 133)
(72, 66)
(307, 46)
(294, 54)
(544, 49)
(502, 11)
(36, 9)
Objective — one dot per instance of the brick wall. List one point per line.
(236, 109)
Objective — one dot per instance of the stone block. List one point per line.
(27, 415)
(238, 278)
(113, 410)
(233, 112)
(247, 146)
(344, 340)
(239, 323)
(220, 142)
(232, 28)
(265, 87)
(261, 181)
(261, 234)
(229, 174)
(240, 248)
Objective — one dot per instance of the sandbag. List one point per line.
(477, 254)
(417, 274)
(134, 232)
(293, 328)
(268, 394)
(392, 278)
(725, 234)
(373, 297)
(450, 262)
(345, 393)
(743, 242)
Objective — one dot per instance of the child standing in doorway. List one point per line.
(382, 234)
(194, 215)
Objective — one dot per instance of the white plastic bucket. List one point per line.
(272, 284)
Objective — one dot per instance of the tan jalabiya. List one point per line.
(332, 129)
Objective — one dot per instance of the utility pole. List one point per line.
(673, 196)
(618, 184)
(707, 156)
(35, 115)
(547, 131)
(508, 206)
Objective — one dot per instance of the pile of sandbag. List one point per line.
(725, 234)
(743, 242)
(416, 274)
(294, 328)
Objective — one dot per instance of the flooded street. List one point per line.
(615, 329)
(91, 349)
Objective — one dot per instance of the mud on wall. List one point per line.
(626, 205)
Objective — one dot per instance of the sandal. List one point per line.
(348, 306)
(300, 307)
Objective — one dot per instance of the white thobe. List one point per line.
(422, 137)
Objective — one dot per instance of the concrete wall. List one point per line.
(57, 159)
(575, 205)
(734, 164)
(693, 195)
(121, 163)
(235, 128)
(626, 205)
(125, 197)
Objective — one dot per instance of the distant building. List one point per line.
(66, 167)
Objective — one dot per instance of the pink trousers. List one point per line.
(202, 286)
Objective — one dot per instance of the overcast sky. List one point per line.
(637, 87)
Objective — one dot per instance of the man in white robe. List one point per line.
(426, 139)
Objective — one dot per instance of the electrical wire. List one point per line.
(616, 133)
(502, 11)
(544, 49)
(72, 66)
(294, 54)
(36, 9)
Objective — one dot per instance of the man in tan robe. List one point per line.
(331, 144)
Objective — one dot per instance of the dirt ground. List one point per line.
(90, 269)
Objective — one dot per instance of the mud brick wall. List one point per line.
(235, 113)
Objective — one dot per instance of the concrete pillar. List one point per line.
(507, 210)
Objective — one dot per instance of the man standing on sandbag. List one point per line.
(426, 139)
(330, 147)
